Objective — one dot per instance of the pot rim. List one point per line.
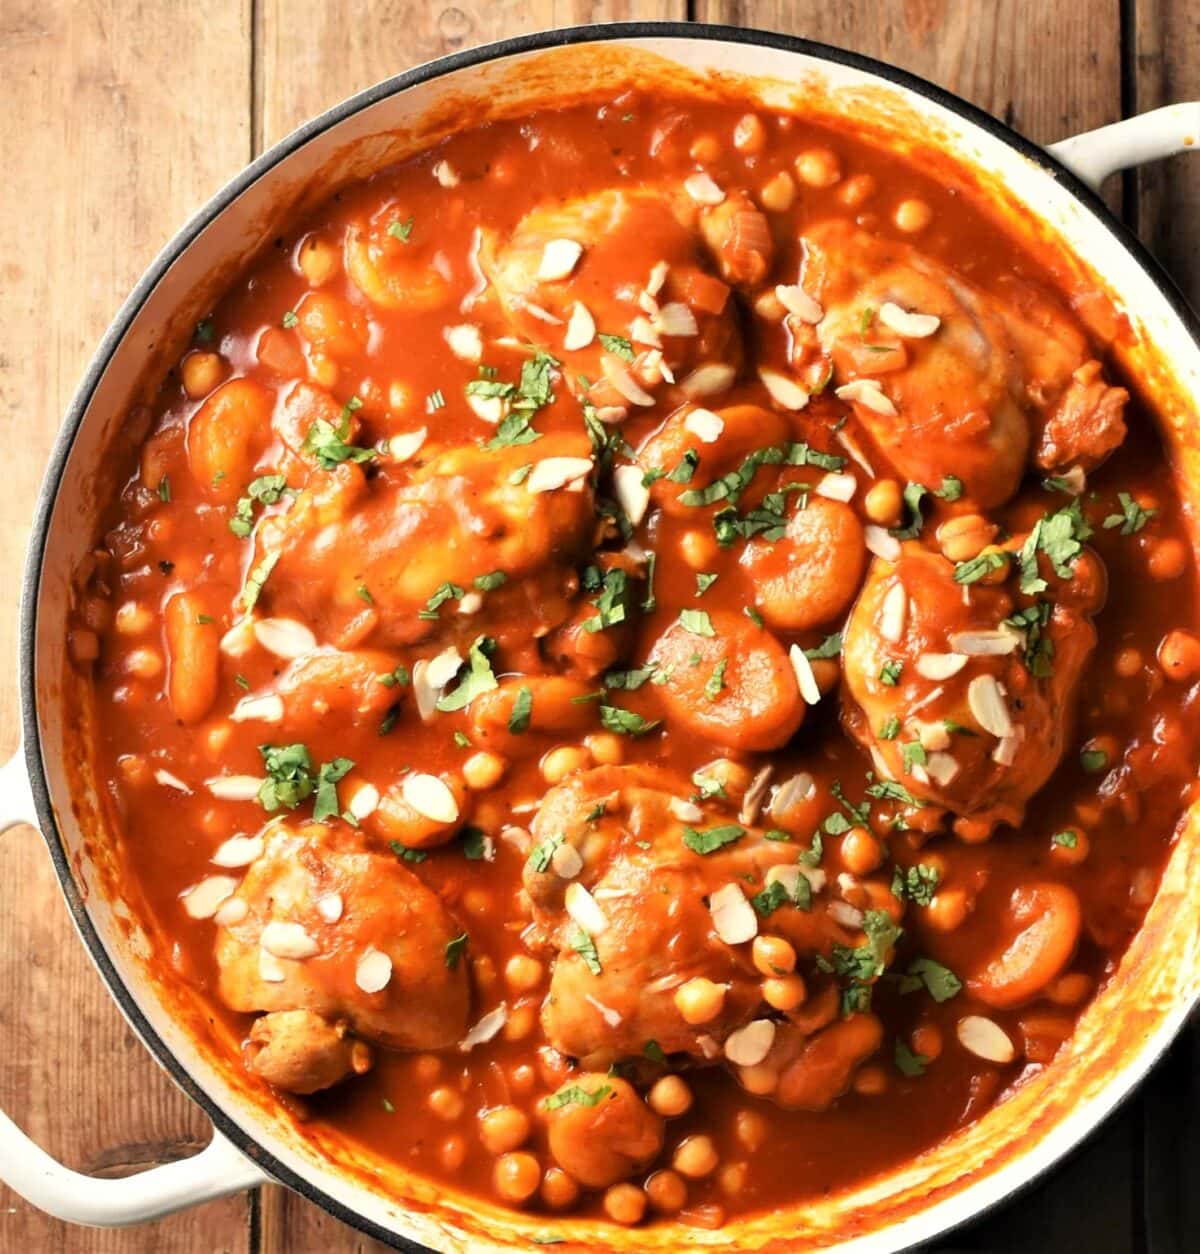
(537, 41)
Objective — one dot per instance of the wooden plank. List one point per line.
(1166, 70)
(119, 119)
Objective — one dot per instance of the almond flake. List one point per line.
(988, 707)
(868, 394)
(581, 328)
(910, 326)
(167, 780)
(445, 174)
(284, 637)
(234, 787)
(641, 332)
(202, 900)
(373, 971)
(583, 908)
(566, 862)
(470, 602)
(939, 666)
(406, 446)
(703, 190)
(556, 472)
(232, 911)
(486, 1029)
(1005, 753)
(430, 797)
(733, 916)
(933, 736)
(798, 302)
(442, 667)
(685, 811)
(621, 377)
(708, 380)
(490, 409)
(238, 851)
(364, 802)
(783, 390)
(882, 543)
(985, 1039)
(465, 341)
(893, 614)
(748, 1046)
(270, 968)
(704, 425)
(239, 639)
(847, 915)
(941, 768)
(836, 486)
(985, 643)
(658, 276)
(676, 319)
(288, 940)
(542, 315)
(632, 494)
(330, 907)
(805, 678)
(559, 258)
(267, 708)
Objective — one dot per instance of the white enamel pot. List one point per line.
(1045, 192)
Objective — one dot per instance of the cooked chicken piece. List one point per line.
(622, 897)
(318, 921)
(394, 558)
(356, 686)
(965, 709)
(599, 1129)
(970, 386)
(300, 1052)
(573, 273)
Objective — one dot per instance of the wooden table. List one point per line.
(119, 117)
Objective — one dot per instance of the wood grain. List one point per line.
(118, 120)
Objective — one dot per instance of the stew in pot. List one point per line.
(644, 662)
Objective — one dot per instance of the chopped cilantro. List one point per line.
(697, 622)
(455, 948)
(704, 581)
(914, 494)
(1131, 519)
(917, 883)
(891, 729)
(445, 592)
(753, 615)
(400, 230)
(405, 853)
(585, 947)
(518, 719)
(716, 681)
(625, 722)
(612, 604)
(890, 672)
(164, 489)
(477, 679)
(577, 1095)
(326, 804)
(714, 838)
(1060, 537)
(940, 982)
(256, 579)
(327, 443)
(618, 345)
(776, 895)
(628, 680)
(290, 319)
(913, 754)
(831, 646)
(1066, 839)
(654, 1051)
(490, 582)
(977, 568)
(951, 489)
(1093, 760)
(908, 1063)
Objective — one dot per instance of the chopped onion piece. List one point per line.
(783, 390)
(234, 787)
(167, 780)
(988, 706)
(748, 1046)
(867, 393)
(985, 1039)
(881, 543)
(893, 614)
(581, 328)
(632, 494)
(837, 487)
(430, 797)
(582, 907)
(238, 851)
(373, 971)
(703, 190)
(559, 258)
(805, 678)
(267, 708)
(202, 900)
(487, 1028)
(658, 276)
(284, 637)
(288, 940)
(911, 326)
(708, 380)
(556, 472)
(704, 425)
(733, 916)
(797, 301)
(465, 341)
(408, 445)
(938, 666)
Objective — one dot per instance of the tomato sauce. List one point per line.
(373, 340)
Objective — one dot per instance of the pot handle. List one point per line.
(1094, 155)
(216, 1171)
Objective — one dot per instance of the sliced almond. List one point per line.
(406, 446)
(202, 900)
(330, 907)
(446, 174)
(685, 811)
(868, 394)
(1005, 753)
(933, 736)
(703, 190)
(566, 862)
(288, 940)
(734, 920)
(805, 678)
(284, 637)
(489, 409)
(167, 780)
(784, 391)
(799, 787)
(232, 911)
(847, 915)
(752, 801)
(584, 909)
(708, 380)
(234, 787)
(880, 542)
(430, 797)
(988, 706)
(658, 276)
(676, 319)
(910, 326)
(373, 971)
(238, 851)
(836, 486)
(893, 613)
(239, 639)
(941, 768)
(985, 1039)
(542, 315)
(470, 602)
(632, 494)
(267, 708)
(486, 1029)
(581, 328)
(363, 802)
(270, 968)
(465, 341)
(704, 425)
(617, 373)
(748, 1046)
(559, 258)
(939, 666)
(556, 472)
(797, 301)
(641, 332)
(985, 643)
(443, 667)
(856, 454)
(610, 415)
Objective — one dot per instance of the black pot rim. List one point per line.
(520, 44)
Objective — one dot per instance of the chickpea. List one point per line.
(1070, 846)
(731, 1179)
(134, 770)
(323, 371)
(217, 737)
(484, 770)
(784, 992)
(927, 1041)
(696, 1157)
(133, 619)
(624, 1203)
(870, 1081)
(516, 1176)
(769, 307)
(698, 549)
(705, 149)
(750, 1128)
(700, 1000)
(606, 748)
(862, 851)
(400, 397)
(965, 536)
(1167, 558)
(857, 190)
(913, 215)
(478, 902)
(760, 1079)
(818, 167)
(522, 1079)
(750, 135)
(773, 955)
(521, 1022)
(446, 1104)
(562, 761)
(503, 1128)
(1179, 655)
(145, 662)
(454, 1153)
(948, 910)
(201, 373)
(1127, 663)
(884, 503)
(778, 194)
(1070, 989)
(826, 671)
(318, 260)
(733, 777)
(1101, 752)
(670, 1097)
(666, 1191)
(523, 974)
(558, 1189)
